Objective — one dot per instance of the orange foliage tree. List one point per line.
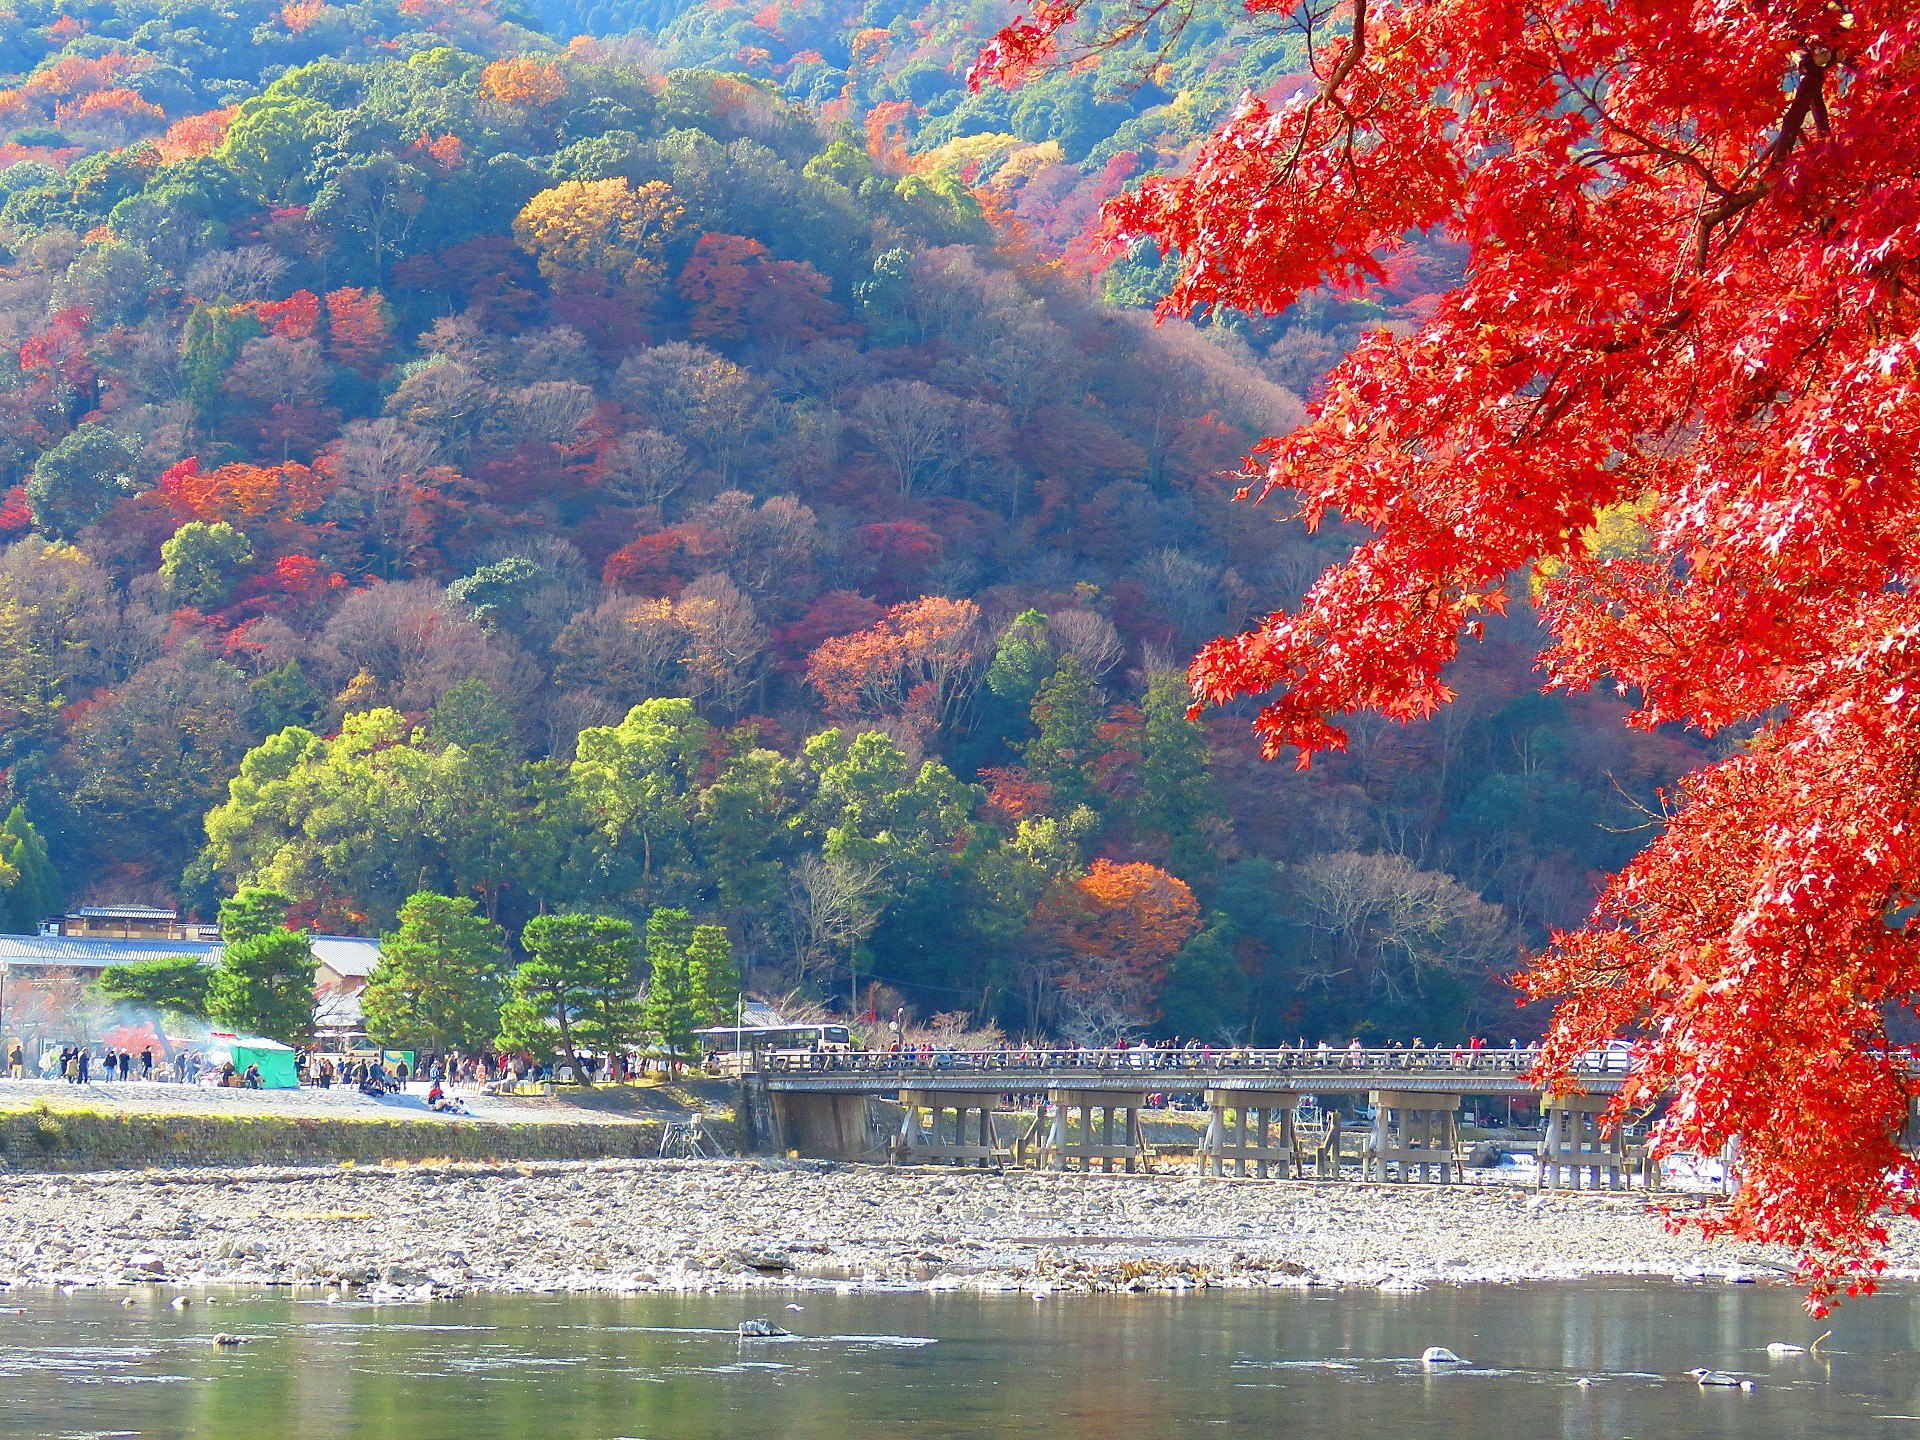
(117, 115)
(195, 135)
(241, 492)
(1116, 930)
(921, 663)
(1689, 294)
(357, 332)
(523, 81)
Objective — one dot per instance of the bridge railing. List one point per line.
(1146, 1060)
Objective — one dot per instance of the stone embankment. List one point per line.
(416, 1232)
(128, 1126)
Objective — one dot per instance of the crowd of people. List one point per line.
(1177, 1054)
(79, 1065)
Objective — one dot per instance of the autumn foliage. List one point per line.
(523, 81)
(606, 231)
(195, 135)
(1118, 928)
(240, 492)
(919, 662)
(1690, 290)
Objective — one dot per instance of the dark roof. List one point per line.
(125, 912)
(89, 952)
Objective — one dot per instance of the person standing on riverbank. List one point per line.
(16, 1060)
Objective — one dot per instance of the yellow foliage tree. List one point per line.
(606, 230)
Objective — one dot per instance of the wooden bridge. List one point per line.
(1264, 1116)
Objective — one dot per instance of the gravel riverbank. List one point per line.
(630, 1226)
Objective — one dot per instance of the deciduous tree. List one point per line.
(200, 562)
(1118, 928)
(608, 232)
(1687, 287)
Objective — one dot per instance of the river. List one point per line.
(1606, 1360)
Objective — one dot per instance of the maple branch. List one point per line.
(1809, 102)
(1329, 92)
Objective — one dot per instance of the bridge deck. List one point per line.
(1290, 1070)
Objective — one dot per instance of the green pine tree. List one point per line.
(710, 968)
(284, 697)
(669, 1007)
(1066, 725)
(1176, 794)
(176, 984)
(471, 716)
(1023, 661)
(438, 982)
(578, 988)
(693, 983)
(264, 985)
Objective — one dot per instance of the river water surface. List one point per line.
(1596, 1359)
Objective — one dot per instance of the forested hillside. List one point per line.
(1042, 157)
(436, 459)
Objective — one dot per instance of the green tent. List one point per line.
(274, 1059)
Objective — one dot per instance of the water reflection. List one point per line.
(1598, 1361)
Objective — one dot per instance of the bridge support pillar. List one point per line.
(1415, 1138)
(1096, 1127)
(1259, 1134)
(823, 1125)
(970, 1139)
(1574, 1155)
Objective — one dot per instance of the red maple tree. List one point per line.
(1689, 290)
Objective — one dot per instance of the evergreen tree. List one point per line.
(1176, 793)
(1066, 724)
(77, 480)
(177, 984)
(29, 889)
(284, 697)
(578, 986)
(471, 715)
(200, 562)
(693, 983)
(714, 979)
(669, 1008)
(438, 980)
(1024, 660)
(264, 985)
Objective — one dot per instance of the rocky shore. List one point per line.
(632, 1226)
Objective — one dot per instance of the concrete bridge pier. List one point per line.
(1093, 1140)
(971, 1139)
(1260, 1134)
(823, 1125)
(1415, 1138)
(1574, 1154)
